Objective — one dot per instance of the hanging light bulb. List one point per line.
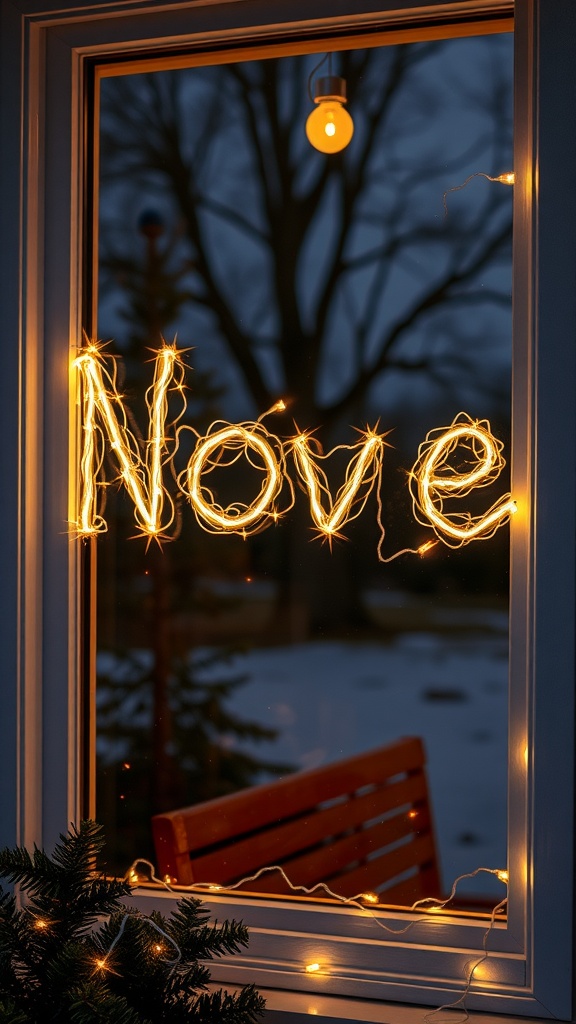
(329, 127)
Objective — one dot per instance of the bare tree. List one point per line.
(326, 280)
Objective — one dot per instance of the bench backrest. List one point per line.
(360, 824)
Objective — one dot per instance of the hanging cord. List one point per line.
(326, 57)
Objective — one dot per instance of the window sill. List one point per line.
(297, 1007)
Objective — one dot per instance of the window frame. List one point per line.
(48, 52)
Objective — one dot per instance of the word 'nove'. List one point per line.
(433, 479)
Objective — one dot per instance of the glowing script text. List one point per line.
(452, 461)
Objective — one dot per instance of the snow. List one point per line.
(330, 700)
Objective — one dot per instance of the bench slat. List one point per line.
(372, 875)
(252, 808)
(276, 844)
(320, 824)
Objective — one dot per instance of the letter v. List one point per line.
(362, 472)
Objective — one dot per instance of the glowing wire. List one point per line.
(363, 471)
(429, 483)
(141, 477)
(223, 445)
(434, 906)
(508, 178)
(102, 962)
(359, 900)
(460, 1002)
(106, 419)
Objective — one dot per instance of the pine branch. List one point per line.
(10, 1014)
(134, 969)
(93, 1004)
(223, 1008)
(202, 941)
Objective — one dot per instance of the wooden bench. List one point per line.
(360, 824)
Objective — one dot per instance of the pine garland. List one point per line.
(58, 965)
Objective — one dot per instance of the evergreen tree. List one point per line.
(164, 727)
(58, 965)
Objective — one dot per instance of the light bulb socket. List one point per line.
(330, 87)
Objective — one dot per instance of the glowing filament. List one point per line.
(363, 471)
(369, 897)
(312, 968)
(430, 482)
(141, 477)
(223, 447)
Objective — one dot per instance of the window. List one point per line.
(44, 181)
(243, 651)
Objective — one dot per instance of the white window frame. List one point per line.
(46, 49)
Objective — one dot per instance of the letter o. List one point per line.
(222, 520)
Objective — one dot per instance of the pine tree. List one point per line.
(59, 964)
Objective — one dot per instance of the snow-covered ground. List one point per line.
(331, 700)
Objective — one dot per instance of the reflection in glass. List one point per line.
(338, 284)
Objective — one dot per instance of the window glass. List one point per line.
(369, 292)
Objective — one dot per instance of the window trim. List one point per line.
(47, 47)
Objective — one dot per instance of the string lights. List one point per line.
(105, 962)
(223, 445)
(142, 477)
(508, 178)
(363, 471)
(364, 901)
(432, 480)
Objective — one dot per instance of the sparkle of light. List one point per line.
(431, 481)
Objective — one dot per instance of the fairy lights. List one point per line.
(364, 470)
(369, 897)
(102, 963)
(142, 467)
(507, 178)
(223, 446)
(104, 415)
(432, 480)
(366, 901)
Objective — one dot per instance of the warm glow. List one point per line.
(363, 471)
(329, 127)
(426, 547)
(142, 477)
(40, 923)
(506, 179)
(430, 482)
(369, 897)
(224, 447)
(142, 466)
(503, 876)
(312, 968)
